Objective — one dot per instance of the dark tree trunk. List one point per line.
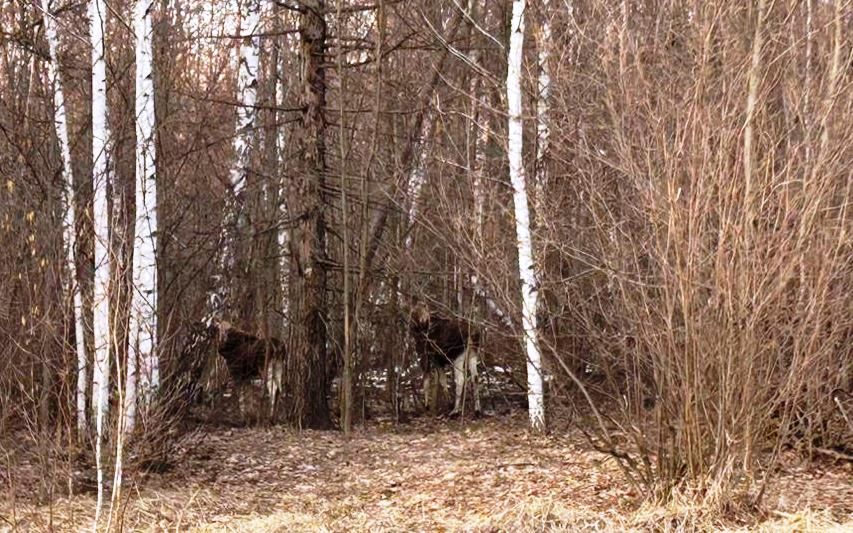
(311, 367)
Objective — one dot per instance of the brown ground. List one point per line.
(488, 475)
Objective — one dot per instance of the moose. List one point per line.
(441, 342)
(249, 357)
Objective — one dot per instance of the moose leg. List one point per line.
(274, 375)
(242, 401)
(459, 378)
(427, 391)
(435, 390)
(441, 398)
(473, 360)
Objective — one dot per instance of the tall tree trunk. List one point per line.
(247, 85)
(752, 101)
(72, 285)
(100, 216)
(346, 377)
(143, 319)
(478, 168)
(267, 286)
(526, 263)
(543, 110)
(247, 92)
(308, 287)
(142, 326)
(418, 175)
(283, 233)
(360, 295)
(266, 290)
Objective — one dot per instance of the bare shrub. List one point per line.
(708, 240)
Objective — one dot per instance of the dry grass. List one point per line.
(488, 475)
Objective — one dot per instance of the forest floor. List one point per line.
(427, 475)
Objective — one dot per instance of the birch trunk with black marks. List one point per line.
(143, 318)
(248, 60)
(103, 256)
(72, 283)
(526, 261)
(418, 175)
(142, 307)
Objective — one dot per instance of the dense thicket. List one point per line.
(693, 234)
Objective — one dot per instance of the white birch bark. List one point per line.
(143, 318)
(247, 86)
(248, 62)
(526, 264)
(417, 177)
(142, 325)
(100, 215)
(70, 224)
(283, 235)
(481, 138)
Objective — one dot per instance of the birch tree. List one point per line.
(477, 168)
(72, 285)
(100, 215)
(247, 88)
(271, 206)
(417, 176)
(526, 263)
(143, 318)
(283, 233)
(248, 61)
(143, 299)
(308, 376)
(543, 107)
